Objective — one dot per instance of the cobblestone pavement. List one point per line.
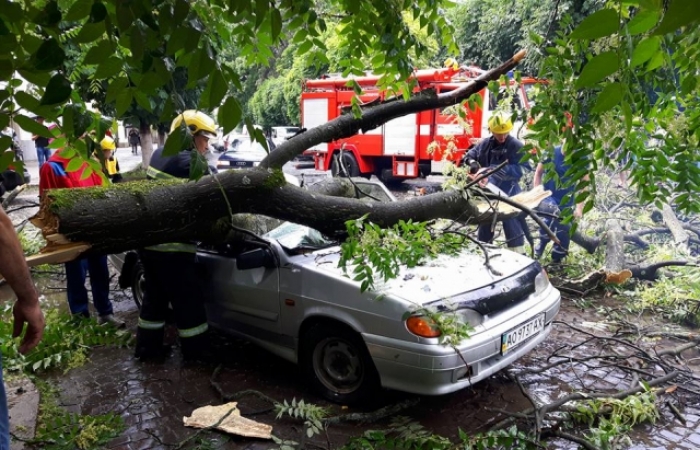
(153, 398)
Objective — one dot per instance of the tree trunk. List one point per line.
(680, 235)
(615, 264)
(146, 144)
(172, 211)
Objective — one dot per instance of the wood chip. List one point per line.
(208, 416)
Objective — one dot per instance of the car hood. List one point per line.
(444, 277)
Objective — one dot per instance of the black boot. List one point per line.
(149, 344)
(198, 348)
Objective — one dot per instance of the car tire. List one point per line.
(352, 168)
(336, 362)
(137, 281)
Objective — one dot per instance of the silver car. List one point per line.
(287, 294)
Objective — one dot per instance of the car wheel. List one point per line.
(137, 282)
(338, 365)
(351, 168)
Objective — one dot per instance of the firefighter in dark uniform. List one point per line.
(169, 269)
(489, 153)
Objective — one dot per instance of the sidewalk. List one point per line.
(127, 162)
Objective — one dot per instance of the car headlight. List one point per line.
(256, 163)
(541, 282)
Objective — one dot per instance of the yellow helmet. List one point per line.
(500, 123)
(197, 122)
(108, 144)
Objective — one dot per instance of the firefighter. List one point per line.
(111, 165)
(169, 269)
(486, 155)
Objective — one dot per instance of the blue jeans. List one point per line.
(99, 282)
(515, 237)
(4, 416)
(42, 155)
(549, 206)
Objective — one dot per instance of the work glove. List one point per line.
(473, 166)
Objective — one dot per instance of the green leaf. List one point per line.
(608, 98)
(109, 68)
(98, 53)
(78, 10)
(124, 99)
(57, 91)
(215, 91)
(26, 101)
(49, 56)
(198, 165)
(177, 141)
(276, 23)
(643, 22)
(98, 12)
(32, 126)
(656, 60)
(597, 69)
(49, 16)
(115, 88)
(90, 32)
(229, 115)
(629, 118)
(200, 66)
(679, 14)
(599, 24)
(645, 49)
(74, 164)
(689, 84)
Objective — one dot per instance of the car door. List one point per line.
(240, 301)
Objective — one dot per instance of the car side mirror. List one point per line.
(254, 259)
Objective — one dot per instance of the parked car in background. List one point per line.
(246, 154)
(286, 293)
(281, 134)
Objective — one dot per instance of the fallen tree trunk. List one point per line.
(158, 212)
(132, 215)
(680, 235)
(615, 265)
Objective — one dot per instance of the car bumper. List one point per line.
(434, 369)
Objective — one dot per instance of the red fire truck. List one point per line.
(399, 148)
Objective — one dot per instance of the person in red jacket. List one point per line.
(53, 175)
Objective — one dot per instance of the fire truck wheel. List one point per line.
(349, 166)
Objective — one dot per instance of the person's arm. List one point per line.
(14, 269)
(537, 180)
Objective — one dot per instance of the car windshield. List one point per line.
(293, 236)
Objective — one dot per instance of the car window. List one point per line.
(295, 237)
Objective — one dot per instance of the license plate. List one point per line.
(521, 334)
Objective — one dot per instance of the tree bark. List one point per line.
(615, 269)
(146, 143)
(152, 212)
(680, 235)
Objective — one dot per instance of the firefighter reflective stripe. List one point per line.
(174, 247)
(191, 332)
(154, 173)
(148, 325)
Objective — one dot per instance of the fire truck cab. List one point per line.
(399, 148)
